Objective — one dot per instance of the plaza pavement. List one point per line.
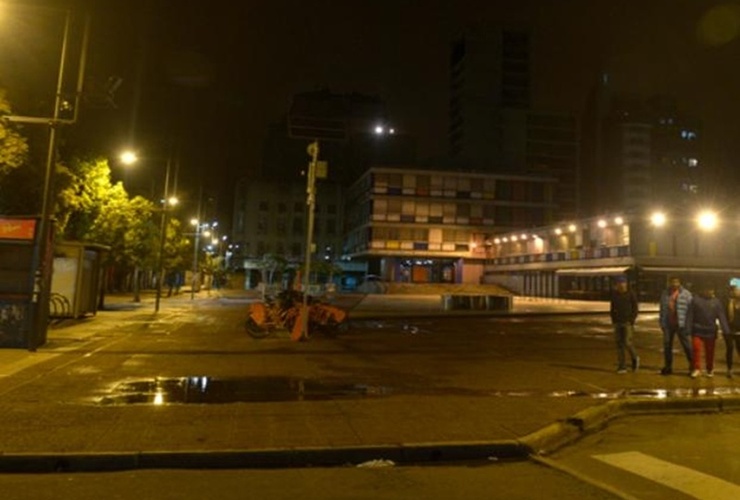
(51, 435)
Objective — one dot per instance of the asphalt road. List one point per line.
(657, 457)
(170, 380)
(515, 481)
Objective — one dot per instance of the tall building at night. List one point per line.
(640, 154)
(495, 128)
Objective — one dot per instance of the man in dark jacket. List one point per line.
(624, 311)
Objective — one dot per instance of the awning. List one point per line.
(592, 271)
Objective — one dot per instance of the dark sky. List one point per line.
(219, 72)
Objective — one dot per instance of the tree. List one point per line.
(92, 209)
(13, 147)
(17, 185)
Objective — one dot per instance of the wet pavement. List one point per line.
(410, 382)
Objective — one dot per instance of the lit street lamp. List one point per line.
(129, 158)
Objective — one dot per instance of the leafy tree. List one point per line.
(177, 249)
(17, 185)
(13, 147)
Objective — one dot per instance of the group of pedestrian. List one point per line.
(694, 318)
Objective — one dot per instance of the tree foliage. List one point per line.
(13, 146)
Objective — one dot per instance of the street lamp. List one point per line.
(42, 248)
(707, 220)
(129, 157)
(201, 229)
(658, 219)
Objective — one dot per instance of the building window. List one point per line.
(297, 225)
(282, 208)
(331, 209)
(264, 206)
(281, 226)
(261, 224)
(298, 207)
(422, 185)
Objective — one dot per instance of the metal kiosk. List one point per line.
(23, 310)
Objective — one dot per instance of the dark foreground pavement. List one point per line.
(46, 426)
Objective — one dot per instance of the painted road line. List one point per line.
(689, 481)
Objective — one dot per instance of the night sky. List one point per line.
(218, 73)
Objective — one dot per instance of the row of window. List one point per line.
(431, 235)
(422, 212)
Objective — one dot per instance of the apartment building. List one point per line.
(434, 226)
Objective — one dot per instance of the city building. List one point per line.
(578, 259)
(415, 225)
(494, 127)
(270, 220)
(640, 154)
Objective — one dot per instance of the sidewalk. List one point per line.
(43, 433)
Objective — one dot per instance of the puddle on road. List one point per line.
(208, 390)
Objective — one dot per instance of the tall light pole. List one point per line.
(196, 244)
(129, 157)
(313, 151)
(162, 236)
(42, 258)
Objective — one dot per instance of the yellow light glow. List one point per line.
(658, 219)
(707, 220)
(572, 228)
(158, 398)
(129, 157)
(602, 223)
(558, 231)
(618, 221)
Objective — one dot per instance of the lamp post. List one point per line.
(42, 248)
(129, 158)
(313, 151)
(196, 244)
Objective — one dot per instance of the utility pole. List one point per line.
(313, 152)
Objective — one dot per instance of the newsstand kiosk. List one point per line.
(24, 283)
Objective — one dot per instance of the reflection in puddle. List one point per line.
(208, 390)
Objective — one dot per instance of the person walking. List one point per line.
(732, 339)
(674, 305)
(704, 313)
(624, 309)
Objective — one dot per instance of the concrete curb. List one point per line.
(539, 443)
(261, 459)
(555, 436)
